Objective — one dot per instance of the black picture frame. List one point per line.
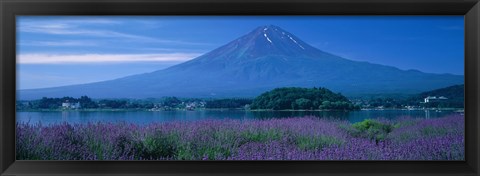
(11, 8)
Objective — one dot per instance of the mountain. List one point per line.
(266, 58)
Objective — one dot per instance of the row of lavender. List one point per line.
(306, 138)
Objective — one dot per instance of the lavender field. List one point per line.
(296, 138)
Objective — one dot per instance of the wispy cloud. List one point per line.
(71, 29)
(100, 21)
(62, 43)
(102, 58)
(76, 27)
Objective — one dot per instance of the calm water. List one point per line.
(144, 117)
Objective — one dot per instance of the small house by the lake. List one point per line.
(68, 105)
(431, 99)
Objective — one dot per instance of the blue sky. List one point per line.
(64, 50)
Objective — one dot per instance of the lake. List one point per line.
(145, 117)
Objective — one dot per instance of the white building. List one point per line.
(68, 105)
(434, 99)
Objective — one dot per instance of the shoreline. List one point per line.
(229, 109)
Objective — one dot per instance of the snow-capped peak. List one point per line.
(265, 35)
(272, 32)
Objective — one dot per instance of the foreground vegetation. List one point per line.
(306, 138)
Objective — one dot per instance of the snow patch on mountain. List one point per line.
(296, 42)
(267, 38)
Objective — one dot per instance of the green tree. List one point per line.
(301, 98)
(171, 102)
(303, 103)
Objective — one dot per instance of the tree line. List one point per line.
(165, 103)
(230, 103)
(287, 98)
(454, 94)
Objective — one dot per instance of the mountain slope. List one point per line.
(266, 58)
(455, 91)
